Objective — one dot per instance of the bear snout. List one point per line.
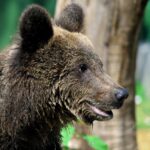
(121, 94)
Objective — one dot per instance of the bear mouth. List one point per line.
(101, 112)
(96, 112)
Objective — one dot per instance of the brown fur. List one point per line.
(45, 86)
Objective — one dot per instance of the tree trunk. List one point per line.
(113, 27)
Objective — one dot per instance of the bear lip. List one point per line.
(101, 113)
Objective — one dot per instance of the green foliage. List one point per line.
(145, 33)
(140, 90)
(147, 19)
(143, 108)
(95, 142)
(143, 115)
(67, 134)
(9, 23)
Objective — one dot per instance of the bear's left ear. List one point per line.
(71, 18)
(35, 28)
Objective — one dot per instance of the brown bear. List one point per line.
(50, 76)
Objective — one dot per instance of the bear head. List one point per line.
(56, 71)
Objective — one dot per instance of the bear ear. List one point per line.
(71, 18)
(35, 28)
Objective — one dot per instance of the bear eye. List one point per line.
(83, 68)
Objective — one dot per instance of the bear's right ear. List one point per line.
(35, 28)
(71, 18)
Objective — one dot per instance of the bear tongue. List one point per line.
(99, 112)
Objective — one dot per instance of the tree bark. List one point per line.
(113, 27)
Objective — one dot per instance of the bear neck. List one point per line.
(30, 104)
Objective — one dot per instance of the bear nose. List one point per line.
(121, 94)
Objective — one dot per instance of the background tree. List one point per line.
(113, 27)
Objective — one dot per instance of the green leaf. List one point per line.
(96, 142)
(67, 133)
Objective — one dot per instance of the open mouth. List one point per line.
(97, 113)
(101, 112)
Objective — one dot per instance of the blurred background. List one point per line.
(10, 11)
